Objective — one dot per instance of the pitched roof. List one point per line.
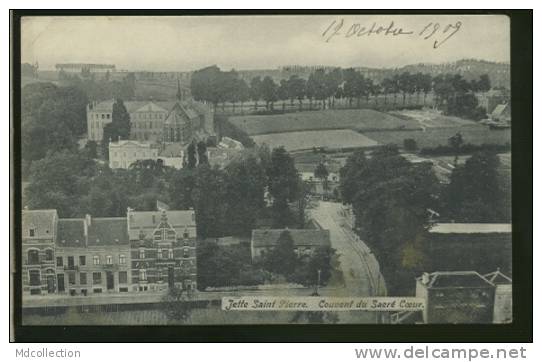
(150, 107)
(177, 219)
(470, 228)
(134, 106)
(498, 278)
(179, 113)
(456, 279)
(301, 237)
(42, 221)
(108, 231)
(71, 232)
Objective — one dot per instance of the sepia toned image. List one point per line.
(265, 169)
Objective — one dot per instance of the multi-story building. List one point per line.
(456, 297)
(154, 121)
(122, 154)
(163, 249)
(92, 256)
(144, 251)
(125, 152)
(470, 246)
(39, 229)
(79, 67)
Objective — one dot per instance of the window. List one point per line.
(109, 260)
(59, 261)
(96, 278)
(49, 254)
(142, 274)
(96, 260)
(185, 253)
(141, 253)
(123, 277)
(71, 278)
(103, 116)
(34, 277)
(123, 290)
(170, 253)
(82, 260)
(159, 254)
(83, 278)
(97, 290)
(108, 116)
(186, 235)
(33, 257)
(32, 232)
(71, 262)
(122, 259)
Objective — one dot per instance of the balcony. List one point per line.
(71, 267)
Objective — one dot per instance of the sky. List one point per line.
(262, 42)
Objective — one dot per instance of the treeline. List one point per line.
(391, 199)
(227, 201)
(455, 95)
(100, 89)
(52, 119)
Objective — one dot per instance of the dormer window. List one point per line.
(32, 232)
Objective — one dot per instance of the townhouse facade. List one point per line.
(145, 251)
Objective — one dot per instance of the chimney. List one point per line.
(425, 278)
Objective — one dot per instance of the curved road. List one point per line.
(361, 270)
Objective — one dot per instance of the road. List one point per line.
(360, 268)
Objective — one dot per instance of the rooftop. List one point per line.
(42, 221)
(71, 232)
(470, 228)
(108, 231)
(498, 278)
(301, 237)
(455, 279)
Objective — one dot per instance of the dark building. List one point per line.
(39, 228)
(163, 249)
(456, 297)
(482, 247)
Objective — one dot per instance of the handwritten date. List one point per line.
(433, 31)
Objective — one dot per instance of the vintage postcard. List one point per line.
(265, 169)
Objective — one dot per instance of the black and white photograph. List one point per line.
(265, 169)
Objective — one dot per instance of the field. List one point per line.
(431, 137)
(358, 119)
(307, 140)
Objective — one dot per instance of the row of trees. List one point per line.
(103, 88)
(454, 93)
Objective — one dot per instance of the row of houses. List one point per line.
(143, 251)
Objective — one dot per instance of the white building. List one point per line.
(125, 152)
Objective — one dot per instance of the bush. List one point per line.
(410, 144)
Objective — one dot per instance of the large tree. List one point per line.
(118, 128)
(283, 184)
(390, 198)
(269, 92)
(478, 191)
(245, 186)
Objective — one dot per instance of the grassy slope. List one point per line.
(360, 119)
